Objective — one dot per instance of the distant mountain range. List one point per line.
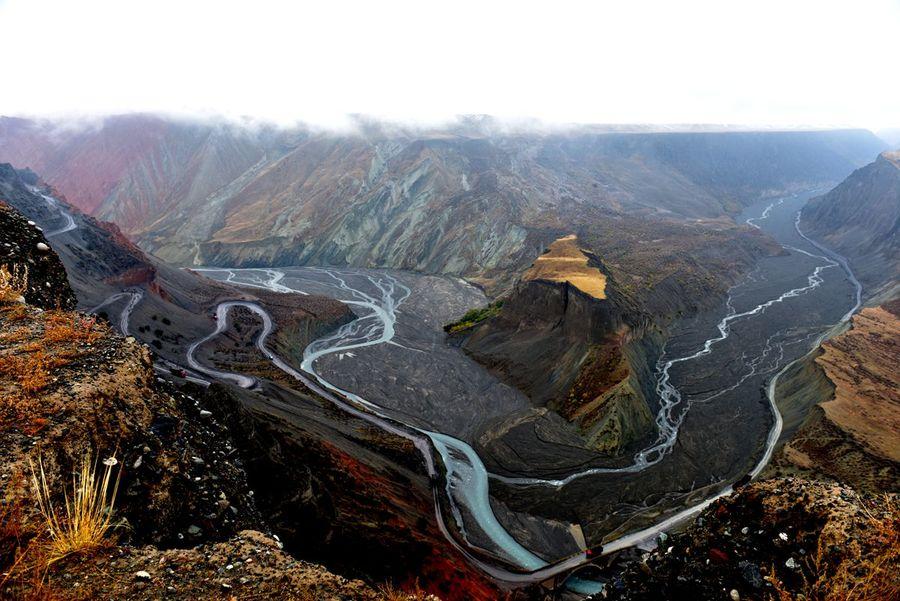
(474, 199)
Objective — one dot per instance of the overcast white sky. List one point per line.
(781, 63)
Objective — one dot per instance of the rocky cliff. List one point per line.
(860, 219)
(591, 360)
(851, 394)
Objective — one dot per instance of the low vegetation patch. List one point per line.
(34, 346)
(13, 283)
(473, 317)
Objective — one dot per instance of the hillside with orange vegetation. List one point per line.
(564, 261)
(862, 364)
(852, 434)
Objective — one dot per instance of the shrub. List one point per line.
(864, 576)
(64, 326)
(81, 526)
(414, 593)
(473, 317)
(30, 370)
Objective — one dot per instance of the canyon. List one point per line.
(517, 349)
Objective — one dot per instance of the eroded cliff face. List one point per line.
(850, 434)
(860, 219)
(570, 353)
(590, 358)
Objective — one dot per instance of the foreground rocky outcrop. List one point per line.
(777, 539)
(22, 244)
(249, 565)
(71, 388)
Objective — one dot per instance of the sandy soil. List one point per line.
(564, 261)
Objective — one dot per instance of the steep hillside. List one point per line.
(580, 335)
(110, 274)
(462, 200)
(861, 219)
(850, 434)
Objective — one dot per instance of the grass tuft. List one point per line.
(83, 523)
(13, 283)
(413, 593)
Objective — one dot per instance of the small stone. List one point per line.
(751, 574)
(734, 595)
(225, 585)
(193, 530)
(42, 247)
(783, 536)
(745, 530)
(198, 461)
(205, 413)
(718, 556)
(31, 223)
(137, 462)
(229, 567)
(142, 575)
(790, 563)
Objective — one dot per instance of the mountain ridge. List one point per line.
(471, 200)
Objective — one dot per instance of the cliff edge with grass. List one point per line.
(114, 484)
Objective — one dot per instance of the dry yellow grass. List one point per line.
(13, 282)
(861, 363)
(66, 326)
(565, 262)
(83, 523)
(415, 593)
(864, 577)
